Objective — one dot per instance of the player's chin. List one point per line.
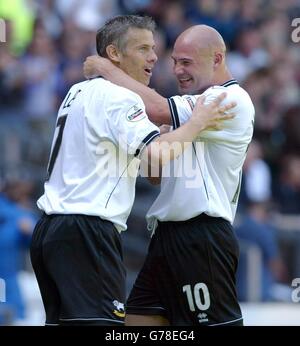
(184, 90)
(185, 87)
(146, 81)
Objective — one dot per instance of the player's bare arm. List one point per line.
(152, 178)
(172, 144)
(156, 106)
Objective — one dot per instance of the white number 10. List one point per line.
(201, 305)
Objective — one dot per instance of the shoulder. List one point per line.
(234, 93)
(99, 92)
(109, 87)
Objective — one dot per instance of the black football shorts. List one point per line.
(189, 274)
(78, 263)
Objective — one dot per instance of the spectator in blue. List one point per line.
(287, 189)
(16, 225)
(255, 230)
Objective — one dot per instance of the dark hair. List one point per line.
(114, 31)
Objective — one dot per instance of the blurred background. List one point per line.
(46, 42)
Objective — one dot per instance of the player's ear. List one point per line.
(218, 59)
(113, 53)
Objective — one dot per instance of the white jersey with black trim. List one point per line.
(101, 128)
(207, 177)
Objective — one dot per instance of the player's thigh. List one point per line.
(145, 320)
(144, 305)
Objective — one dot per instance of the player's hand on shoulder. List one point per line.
(212, 115)
(95, 65)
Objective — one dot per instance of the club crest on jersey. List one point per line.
(135, 113)
(190, 102)
(119, 310)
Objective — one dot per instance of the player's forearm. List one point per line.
(170, 145)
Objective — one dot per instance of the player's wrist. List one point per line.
(107, 68)
(197, 123)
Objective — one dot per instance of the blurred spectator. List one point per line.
(274, 33)
(286, 89)
(173, 22)
(257, 84)
(288, 187)
(291, 130)
(255, 230)
(249, 54)
(251, 12)
(16, 225)
(11, 76)
(203, 12)
(134, 6)
(39, 65)
(74, 46)
(256, 185)
(49, 15)
(229, 21)
(90, 13)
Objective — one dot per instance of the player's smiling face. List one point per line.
(193, 68)
(138, 58)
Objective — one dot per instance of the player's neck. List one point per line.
(222, 76)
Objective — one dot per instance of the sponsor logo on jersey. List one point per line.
(135, 113)
(119, 310)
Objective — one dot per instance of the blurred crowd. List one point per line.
(46, 44)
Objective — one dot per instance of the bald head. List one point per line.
(199, 59)
(202, 37)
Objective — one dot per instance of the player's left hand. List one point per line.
(94, 65)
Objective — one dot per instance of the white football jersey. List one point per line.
(101, 129)
(207, 177)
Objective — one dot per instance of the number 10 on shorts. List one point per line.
(197, 296)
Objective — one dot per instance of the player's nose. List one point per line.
(178, 70)
(152, 57)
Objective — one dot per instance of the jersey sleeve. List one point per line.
(241, 126)
(129, 124)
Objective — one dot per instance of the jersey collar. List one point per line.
(229, 82)
(96, 77)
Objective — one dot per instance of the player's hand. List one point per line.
(164, 129)
(95, 65)
(212, 115)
